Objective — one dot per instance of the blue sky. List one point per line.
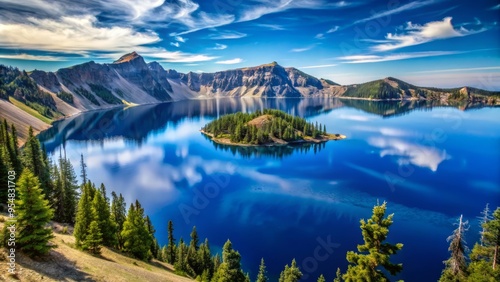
(441, 43)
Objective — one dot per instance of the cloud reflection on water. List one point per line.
(409, 153)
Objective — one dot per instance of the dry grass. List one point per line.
(260, 121)
(65, 263)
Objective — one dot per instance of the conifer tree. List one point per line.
(181, 264)
(321, 278)
(69, 186)
(33, 213)
(102, 214)
(205, 260)
(151, 230)
(33, 159)
(84, 215)
(456, 265)
(118, 216)
(93, 240)
(230, 268)
(291, 273)
(192, 255)
(338, 276)
(171, 243)
(262, 275)
(83, 167)
(374, 253)
(136, 238)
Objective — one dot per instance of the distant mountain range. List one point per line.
(130, 80)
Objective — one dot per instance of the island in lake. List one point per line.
(266, 128)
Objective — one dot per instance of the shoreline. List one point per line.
(226, 141)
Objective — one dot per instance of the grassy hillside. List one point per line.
(65, 263)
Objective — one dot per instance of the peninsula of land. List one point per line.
(266, 128)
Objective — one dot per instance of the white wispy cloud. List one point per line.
(72, 34)
(418, 34)
(358, 59)
(460, 69)
(333, 29)
(320, 36)
(176, 44)
(272, 26)
(298, 50)
(406, 7)
(227, 34)
(179, 38)
(25, 56)
(317, 66)
(496, 7)
(180, 57)
(219, 46)
(230, 62)
(82, 35)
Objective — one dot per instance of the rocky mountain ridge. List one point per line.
(131, 80)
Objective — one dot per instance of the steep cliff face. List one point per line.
(134, 69)
(270, 80)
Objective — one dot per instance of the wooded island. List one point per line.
(266, 128)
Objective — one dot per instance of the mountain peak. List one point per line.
(127, 58)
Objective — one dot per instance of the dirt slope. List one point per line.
(65, 263)
(21, 119)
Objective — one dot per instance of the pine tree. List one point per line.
(206, 262)
(84, 214)
(456, 265)
(93, 240)
(118, 216)
(137, 240)
(230, 268)
(492, 236)
(33, 213)
(321, 278)
(171, 243)
(291, 273)
(192, 255)
(69, 186)
(33, 159)
(102, 213)
(374, 252)
(262, 275)
(152, 231)
(338, 276)
(181, 264)
(83, 169)
(4, 185)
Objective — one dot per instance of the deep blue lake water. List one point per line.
(430, 163)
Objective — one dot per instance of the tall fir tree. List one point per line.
(192, 255)
(230, 268)
(33, 159)
(136, 238)
(262, 275)
(69, 186)
(83, 167)
(482, 256)
(171, 249)
(181, 265)
(84, 214)
(374, 253)
(321, 278)
(102, 213)
(291, 273)
(456, 265)
(93, 240)
(33, 214)
(118, 216)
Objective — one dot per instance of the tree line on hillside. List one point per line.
(19, 85)
(281, 125)
(49, 190)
